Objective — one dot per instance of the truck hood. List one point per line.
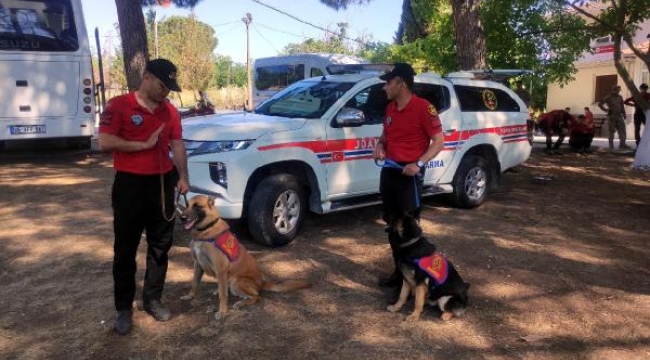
(236, 126)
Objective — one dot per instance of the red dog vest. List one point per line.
(227, 243)
(436, 266)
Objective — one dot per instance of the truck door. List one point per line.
(352, 169)
(438, 94)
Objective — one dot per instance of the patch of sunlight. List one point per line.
(376, 336)
(56, 247)
(358, 253)
(347, 283)
(564, 252)
(290, 268)
(49, 181)
(510, 291)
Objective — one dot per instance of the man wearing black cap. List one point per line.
(140, 128)
(639, 115)
(412, 135)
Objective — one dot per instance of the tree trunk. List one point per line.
(470, 38)
(134, 40)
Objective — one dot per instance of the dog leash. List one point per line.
(388, 163)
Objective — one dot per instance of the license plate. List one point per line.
(26, 129)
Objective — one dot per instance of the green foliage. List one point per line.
(227, 73)
(116, 75)
(535, 35)
(331, 43)
(437, 51)
(189, 44)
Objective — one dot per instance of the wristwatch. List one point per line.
(420, 164)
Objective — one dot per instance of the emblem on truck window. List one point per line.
(489, 99)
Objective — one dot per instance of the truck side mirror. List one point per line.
(350, 117)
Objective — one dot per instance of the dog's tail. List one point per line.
(285, 285)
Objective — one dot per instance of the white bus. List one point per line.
(274, 73)
(46, 82)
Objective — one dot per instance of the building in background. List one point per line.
(595, 76)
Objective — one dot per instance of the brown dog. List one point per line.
(216, 251)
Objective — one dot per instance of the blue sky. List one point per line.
(270, 30)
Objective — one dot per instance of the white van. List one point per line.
(275, 73)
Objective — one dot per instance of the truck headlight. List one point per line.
(194, 148)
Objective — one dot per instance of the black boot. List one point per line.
(393, 280)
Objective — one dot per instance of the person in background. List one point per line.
(141, 128)
(581, 135)
(639, 115)
(411, 137)
(615, 116)
(556, 122)
(589, 115)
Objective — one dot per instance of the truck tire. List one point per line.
(277, 210)
(471, 182)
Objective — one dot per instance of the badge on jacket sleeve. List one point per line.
(432, 110)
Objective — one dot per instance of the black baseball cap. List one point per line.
(402, 70)
(164, 70)
(643, 86)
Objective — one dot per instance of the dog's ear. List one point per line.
(210, 201)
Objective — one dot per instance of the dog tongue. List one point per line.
(189, 224)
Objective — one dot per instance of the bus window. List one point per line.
(277, 77)
(44, 25)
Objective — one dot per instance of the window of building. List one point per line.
(604, 85)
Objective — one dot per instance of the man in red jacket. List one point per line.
(140, 128)
(582, 134)
(411, 137)
(556, 122)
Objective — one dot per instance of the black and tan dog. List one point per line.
(217, 252)
(427, 273)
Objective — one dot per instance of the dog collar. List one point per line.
(409, 243)
(209, 225)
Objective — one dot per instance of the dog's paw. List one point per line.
(219, 315)
(446, 316)
(187, 297)
(412, 318)
(394, 308)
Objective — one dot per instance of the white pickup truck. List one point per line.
(310, 148)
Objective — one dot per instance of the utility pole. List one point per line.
(155, 33)
(248, 19)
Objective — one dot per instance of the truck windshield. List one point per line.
(305, 99)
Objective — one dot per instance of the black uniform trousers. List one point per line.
(639, 118)
(400, 194)
(137, 207)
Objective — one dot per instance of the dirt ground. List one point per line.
(558, 271)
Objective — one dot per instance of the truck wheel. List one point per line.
(471, 182)
(277, 210)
